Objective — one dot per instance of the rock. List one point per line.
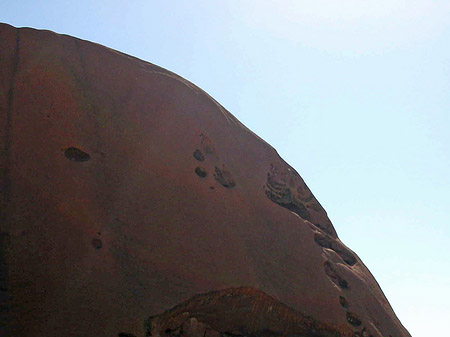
(193, 328)
(133, 204)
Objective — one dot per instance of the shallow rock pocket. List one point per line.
(74, 154)
(224, 177)
(328, 242)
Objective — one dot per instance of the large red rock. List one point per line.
(132, 203)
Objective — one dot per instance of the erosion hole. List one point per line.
(334, 276)
(74, 154)
(224, 178)
(201, 172)
(331, 243)
(97, 243)
(198, 155)
(343, 302)
(353, 319)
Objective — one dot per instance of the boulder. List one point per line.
(133, 204)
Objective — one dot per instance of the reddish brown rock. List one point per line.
(133, 204)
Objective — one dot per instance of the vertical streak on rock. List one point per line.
(86, 89)
(96, 119)
(4, 284)
(6, 184)
(5, 187)
(80, 56)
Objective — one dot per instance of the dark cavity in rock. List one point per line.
(352, 319)
(326, 228)
(75, 154)
(331, 243)
(334, 276)
(281, 193)
(199, 155)
(343, 302)
(201, 172)
(224, 177)
(97, 243)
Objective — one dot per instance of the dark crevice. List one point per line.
(322, 240)
(328, 242)
(343, 302)
(297, 208)
(326, 228)
(335, 277)
(282, 194)
(294, 206)
(224, 178)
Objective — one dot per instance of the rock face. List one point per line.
(133, 204)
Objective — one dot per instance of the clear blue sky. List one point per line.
(355, 96)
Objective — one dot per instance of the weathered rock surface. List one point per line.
(133, 204)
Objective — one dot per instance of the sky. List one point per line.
(355, 95)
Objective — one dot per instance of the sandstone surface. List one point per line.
(133, 204)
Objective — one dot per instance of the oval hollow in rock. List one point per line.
(201, 172)
(75, 154)
(334, 276)
(330, 243)
(224, 178)
(343, 302)
(352, 319)
(97, 243)
(198, 155)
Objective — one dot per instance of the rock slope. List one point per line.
(133, 204)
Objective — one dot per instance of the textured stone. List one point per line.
(131, 200)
